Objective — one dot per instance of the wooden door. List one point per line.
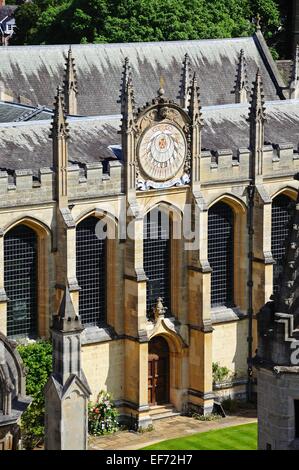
(158, 372)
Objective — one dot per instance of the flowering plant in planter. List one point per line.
(102, 415)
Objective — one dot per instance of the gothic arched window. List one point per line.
(281, 206)
(221, 253)
(91, 272)
(156, 259)
(20, 280)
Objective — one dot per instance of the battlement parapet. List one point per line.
(280, 159)
(224, 164)
(22, 187)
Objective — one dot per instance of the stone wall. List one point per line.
(103, 365)
(230, 347)
(276, 394)
(88, 181)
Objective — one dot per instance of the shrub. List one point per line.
(230, 404)
(102, 415)
(210, 417)
(37, 359)
(220, 374)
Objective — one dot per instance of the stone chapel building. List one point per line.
(140, 133)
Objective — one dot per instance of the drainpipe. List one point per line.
(250, 194)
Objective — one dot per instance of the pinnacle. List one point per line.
(185, 82)
(257, 104)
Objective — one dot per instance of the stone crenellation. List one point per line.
(278, 160)
(21, 187)
(97, 180)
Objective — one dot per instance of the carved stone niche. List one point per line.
(13, 400)
(163, 146)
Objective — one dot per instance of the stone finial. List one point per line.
(161, 91)
(126, 77)
(129, 107)
(67, 319)
(159, 309)
(194, 107)
(185, 82)
(127, 98)
(257, 110)
(294, 79)
(241, 84)
(70, 84)
(256, 119)
(258, 22)
(59, 123)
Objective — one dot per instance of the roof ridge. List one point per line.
(131, 44)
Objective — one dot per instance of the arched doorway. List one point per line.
(158, 371)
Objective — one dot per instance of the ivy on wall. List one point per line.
(37, 359)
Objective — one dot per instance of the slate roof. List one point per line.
(35, 71)
(7, 10)
(26, 145)
(285, 69)
(13, 112)
(226, 127)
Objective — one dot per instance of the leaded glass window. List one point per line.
(221, 253)
(91, 272)
(156, 259)
(281, 206)
(20, 281)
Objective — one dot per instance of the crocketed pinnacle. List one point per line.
(185, 82)
(257, 110)
(194, 107)
(59, 126)
(241, 83)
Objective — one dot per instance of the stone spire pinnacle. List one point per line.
(294, 80)
(257, 117)
(257, 110)
(59, 123)
(194, 107)
(70, 84)
(185, 82)
(194, 111)
(128, 130)
(128, 104)
(67, 391)
(241, 84)
(67, 319)
(60, 135)
(126, 77)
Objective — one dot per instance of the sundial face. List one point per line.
(162, 151)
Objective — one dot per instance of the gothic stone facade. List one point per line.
(277, 355)
(185, 147)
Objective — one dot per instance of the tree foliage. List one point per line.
(37, 359)
(94, 21)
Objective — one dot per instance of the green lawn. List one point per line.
(243, 437)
